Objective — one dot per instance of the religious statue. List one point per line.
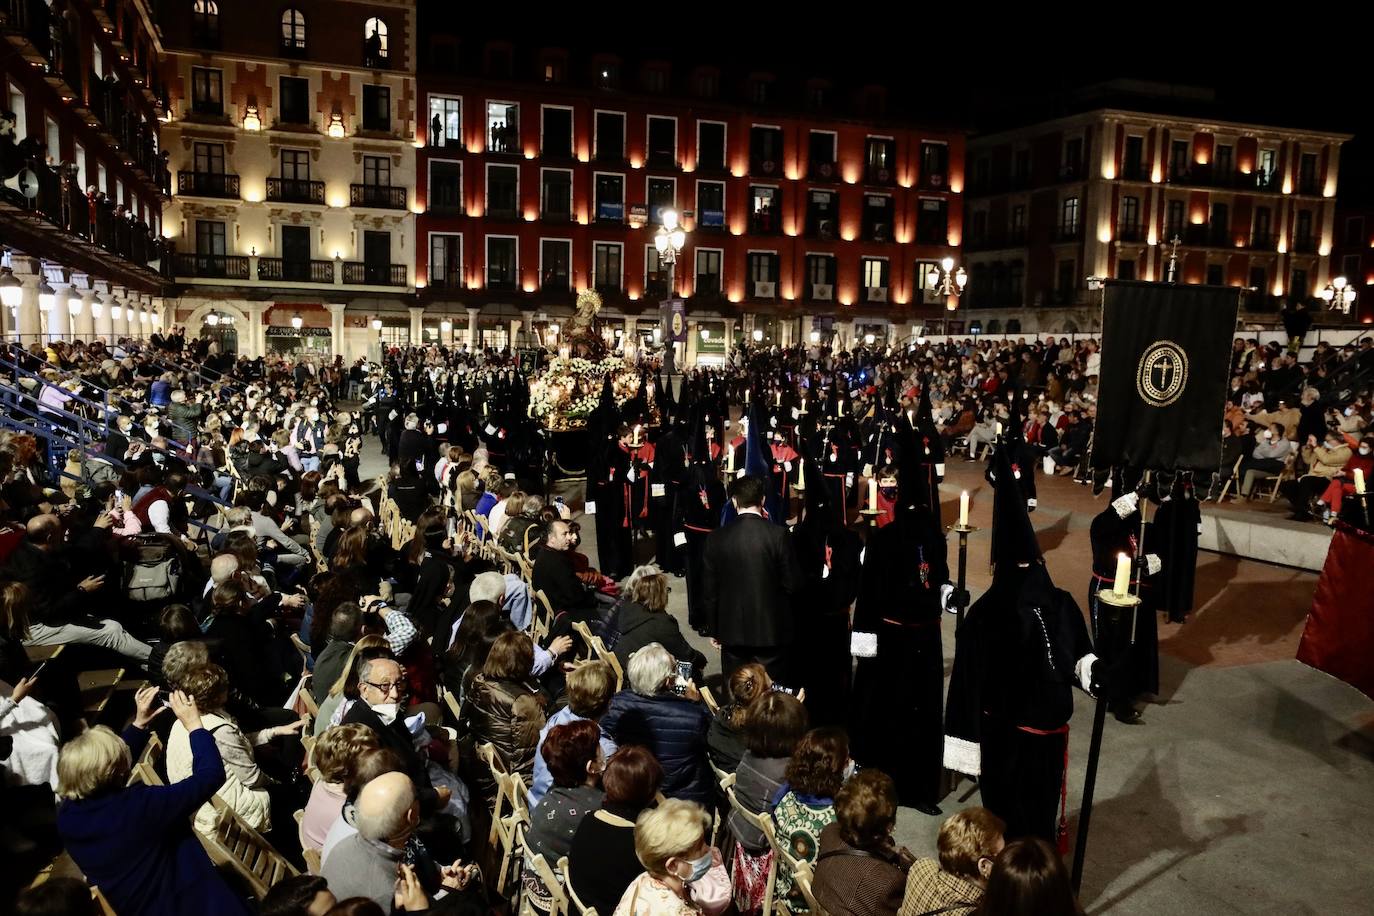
(582, 337)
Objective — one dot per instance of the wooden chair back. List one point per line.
(243, 851)
(557, 895)
(763, 824)
(804, 877)
(577, 904)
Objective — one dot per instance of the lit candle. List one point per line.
(779, 398)
(999, 428)
(1122, 585)
(730, 460)
(801, 474)
(840, 411)
(873, 494)
(1359, 481)
(746, 395)
(636, 438)
(963, 509)
(911, 418)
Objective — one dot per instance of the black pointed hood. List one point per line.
(1013, 536)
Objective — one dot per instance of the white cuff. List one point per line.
(1031, 503)
(1125, 505)
(963, 756)
(1083, 670)
(863, 645)
(946, 591)
(1153, 564)
(940, 469)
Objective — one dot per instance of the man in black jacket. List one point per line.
(749, 576)
(553, 575)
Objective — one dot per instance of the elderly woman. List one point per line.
(666, 715)
(601, 859)
(135, 842)
(503, 707)
(643, 618)
(683, 873)
(859, 871)
(245, 784)
(335, 754)
(573, 755)
(969, 844)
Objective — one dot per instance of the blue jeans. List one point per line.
(222, 486)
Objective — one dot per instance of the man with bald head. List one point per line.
(59, 613)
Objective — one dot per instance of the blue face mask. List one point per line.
(699, 868)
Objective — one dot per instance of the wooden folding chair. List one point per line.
(710, 700)
(585, 632)
(311, 856)
(509, 830)
(557, 895)
(764, 824)
(39, 654)
(1288, 473)
(577, 904)
(242, 850)
(785, 863)
(804, 878)
(96, 689)
(1232, 481)
(145, 769)
(303, 650)
(102, 904)
(307, 697)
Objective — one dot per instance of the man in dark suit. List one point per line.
(553, 574)
(749, 575)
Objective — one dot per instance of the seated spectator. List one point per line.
(555, 576)
(247, 645)
(369, 765)
(1333, 497)
(343, 693)
(805, 803)
(336, 752)
(572, 753)
(601, 859)
(590, 686)
(1325, 460)
(32, 738)
(298, 895)
(669, 719)
(859, 870)
(511, 504)
(503, 707)
(1028, 879)
(969, 844)
(135, 842)
(1267, 459)
(683, 873)
(642, 617)
(509, 593)
(725, 740)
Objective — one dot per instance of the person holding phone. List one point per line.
(32, 759)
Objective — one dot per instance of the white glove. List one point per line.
(940, 470)
(1125, 505)
(1153, 564)
(1083, 670)
(863, 645)
(945, 591)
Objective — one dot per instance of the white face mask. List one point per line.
(1349, 411)
(1364, 450)
(387, 712)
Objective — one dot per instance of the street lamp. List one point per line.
(946, 281)
(11, 289)
(46, 297)
(212, 319)
(669, 240)
(1339, 294)
(758, 335)
(297, 321)
(377, 325)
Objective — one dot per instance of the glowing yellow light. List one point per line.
(1278, 288)
(529, 287)
(336, 126)
(417, 207)
(636, 162)
(529, 154)
(737, 171)
(1152, 238)
(956, 185)
(530, 216)
(1283, 248)
(847, 235)
(1325, 250)
(904, 182)
(251, 121)
(254, 196)
(418, 144)
(734, 297)
(1109, 171)
(1287, 185)
(633, 295)
(1157, 174)
(1201, 157)
(337, 201)
(419, 284)
(1104, 235)
(1197, 219)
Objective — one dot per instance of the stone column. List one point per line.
(28, 325)
(805, 331)
(104, 322)
(256, 345)
(528, 320)
(417, 325)
(472, 328)
(59, 318)
(729, 337)
(336, 329)
(85, 321)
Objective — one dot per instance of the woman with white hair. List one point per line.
(663, 712)
(683, 872)
(643, 618)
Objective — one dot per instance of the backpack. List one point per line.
(155, 571)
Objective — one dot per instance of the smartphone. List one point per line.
(787, 690)
(684, 671)
(39, 670)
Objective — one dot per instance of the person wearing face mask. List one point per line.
(683, 874)
(1343, 485)
(969, 844)
(1325, 459)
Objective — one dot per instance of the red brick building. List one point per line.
(542, 174)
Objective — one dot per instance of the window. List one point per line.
(209, 158)
(1303, 231)
(377, 171)
(706, 84)
(708, 270)
(608, 75)
(295, 100)
(1068, 218)
(661, 194)
(1259, 279)
(979, 231)
(1072, 166)
(1022, 171)
(932, 222)
(1173, 219)
(1354, 230)
(1220, 227)
(765, 150)
(875, 279)
(711, 204)
(1350, 266)
(501, 262)
(610, 198)
(292, 31)
(204, 21)
(820, 153)
(655, 274)
(210, 237)
(817, 97)
(207, 91)
(880, 159)
(295, 164)
(377, 108)
(556, 136)
(555, 194)
(555, 263)
(54, 140)
(1018, 223)
(1299, 289)
(445, 121)
(763, 274)
(79, 160)
(927, 290)
(662, 141)
(1224, 164)
(445, 186)
(375, 50)
(553, 71)
(1261, 237)
(1178, 158)
(821, 212)
(445, 261)
(1068, 280)
(763, 211)
(758, 91)
(609, 138)
(655, 80)
(877, 219)
(503, 191)
(982, 170)
(606, 265)
(1129, 228)
(498, 63)
(1016, 283)
(1267, 174)
(1133, 159)
(503, 127)
(1307, 174)
(710, 146)
(1216, 275)
(820, 276)
(934, 165)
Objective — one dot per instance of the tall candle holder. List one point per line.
(961, 604)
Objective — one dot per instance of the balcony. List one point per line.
(374, 58)
(381, 196)
(1071, 171)
(558, 214)
(208, 184)
(446, 278)
(708, 285)
(879, 175)
(357, 273)
(212, 266)
(295, 271)
(820, 292)
(295, 190)
(1071, 233)
(1263, 240)
(1309, 186)
(1135, 171)
(293, 46)
(763, 223)
(823, 171)
(1130, 233)
(935, 181)
(610, 211)
(1305, 245)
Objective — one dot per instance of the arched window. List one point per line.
(375, 51)
(292, 30)
(205, 20)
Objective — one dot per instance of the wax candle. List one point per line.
(1359, 481)
(779, 398)
(963, 509)
(730, 460)
(873, 494)
(911, 418)
(999, 429)
(746, 395)
(801, 473)
(840, 411)
(635, 440)
(1122, 585)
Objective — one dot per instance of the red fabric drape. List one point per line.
(1339, 635)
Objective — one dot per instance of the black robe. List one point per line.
(1011, 697)
(905, 564)
(1174, 536)
(1134, 655)
(696, 513)
(828, 556)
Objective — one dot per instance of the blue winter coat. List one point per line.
(674, 729)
